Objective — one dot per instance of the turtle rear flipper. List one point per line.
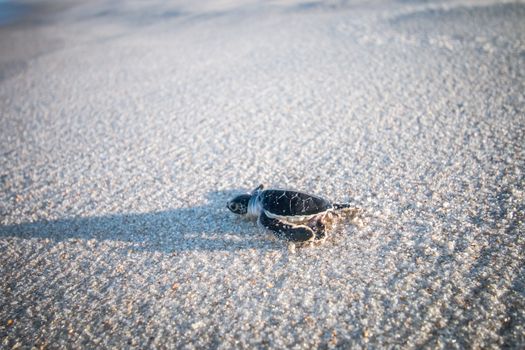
(319, 227)
(293, 233)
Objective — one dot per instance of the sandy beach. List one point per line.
(125, 127)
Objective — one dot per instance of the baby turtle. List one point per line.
(292, 215)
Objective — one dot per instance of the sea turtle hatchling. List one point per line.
(292, 215)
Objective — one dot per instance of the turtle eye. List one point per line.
(233, 206)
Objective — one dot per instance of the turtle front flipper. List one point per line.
(293, 233)
(258, 188)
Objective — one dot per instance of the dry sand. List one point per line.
(126, 127)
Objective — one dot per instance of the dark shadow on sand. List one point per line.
(209, 227)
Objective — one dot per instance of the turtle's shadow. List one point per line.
(208, 227)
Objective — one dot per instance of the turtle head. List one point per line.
(239, 204)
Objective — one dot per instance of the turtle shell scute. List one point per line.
(293, 203)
